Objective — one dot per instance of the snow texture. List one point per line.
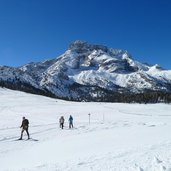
(120, 137)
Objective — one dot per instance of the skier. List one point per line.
(70, 122)
(61, 122)
(24, 126)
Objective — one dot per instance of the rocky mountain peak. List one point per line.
(83, 47)
(87, 71)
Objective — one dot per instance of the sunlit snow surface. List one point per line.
(120, 137)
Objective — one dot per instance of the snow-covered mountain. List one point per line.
(87, 72)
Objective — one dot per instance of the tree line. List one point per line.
(90, 93)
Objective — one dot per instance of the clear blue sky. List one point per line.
(35, 30)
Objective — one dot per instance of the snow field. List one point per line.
(120, 137)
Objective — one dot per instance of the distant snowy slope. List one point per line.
(86, 71)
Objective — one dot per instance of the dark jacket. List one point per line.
(25, 124)
(70, 119)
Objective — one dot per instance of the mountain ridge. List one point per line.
(87, 72)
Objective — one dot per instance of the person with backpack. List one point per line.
(61, 122)
(70, 122)
(24, 126)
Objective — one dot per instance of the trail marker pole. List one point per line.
(89, 117)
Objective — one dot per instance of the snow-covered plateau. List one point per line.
(120, 137)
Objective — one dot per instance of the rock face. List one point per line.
(87, 72)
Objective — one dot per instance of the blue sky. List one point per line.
(35, 30)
